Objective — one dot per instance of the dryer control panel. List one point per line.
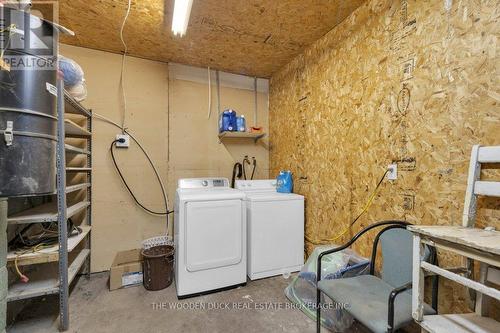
(203, 183)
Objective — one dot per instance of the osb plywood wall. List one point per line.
(410, 82)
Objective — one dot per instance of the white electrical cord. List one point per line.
(123, 128)
(109, 121)
(122, 71)
(209, 93)
(217, 78)
(255, 112)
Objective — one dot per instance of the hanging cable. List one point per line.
(209, 93)
(160, 181)
(47, 238)
(254, 162)
(217, 79)
(237, 173)
(255, 101)
(122, 70)
(127, 186)
(243, 163)
(157, 173)
(363, 211)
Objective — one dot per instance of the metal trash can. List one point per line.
(158, 267)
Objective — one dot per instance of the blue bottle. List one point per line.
(241, 124)
(227, 121)
(232, 126)
(284, 182)
(223, 121)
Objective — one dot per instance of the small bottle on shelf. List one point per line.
(241, 124)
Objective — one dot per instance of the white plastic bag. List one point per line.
(79, 92)
(73, 73)
(302, 290)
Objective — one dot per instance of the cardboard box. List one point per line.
(126, 270)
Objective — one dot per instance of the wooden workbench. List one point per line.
(477, 244)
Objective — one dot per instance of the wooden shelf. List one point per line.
(460, 323)
(78, 169)
(45, 213)
(50, 254)
(74, 107)
(75, 150)
(241, 135)
(74, 130)
(41, 284)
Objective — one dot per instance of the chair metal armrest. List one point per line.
(340, 248)
(395, 292)
(354, 239)
(392, 298)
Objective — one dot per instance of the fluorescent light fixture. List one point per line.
(182, 10)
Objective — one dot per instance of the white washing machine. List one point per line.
(275, 227)
(210, 236)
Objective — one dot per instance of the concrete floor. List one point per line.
(93, 308)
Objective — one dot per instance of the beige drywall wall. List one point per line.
(117, 223)
(184, 146)
(195, 149)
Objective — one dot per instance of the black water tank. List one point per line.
(28, 102)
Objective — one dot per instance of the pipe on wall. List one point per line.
(3, 261)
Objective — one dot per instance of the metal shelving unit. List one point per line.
(46, 213)
(50, 280)
(78, 169)
(50, 254)
(41, 284)
(76, 150)
(74, 130)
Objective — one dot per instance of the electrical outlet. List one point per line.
(125, 144)
(393, 172)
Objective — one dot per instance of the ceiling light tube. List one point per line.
(182, 11)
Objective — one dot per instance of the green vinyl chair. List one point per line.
(382, 304)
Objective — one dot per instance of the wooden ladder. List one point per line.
(476, 187)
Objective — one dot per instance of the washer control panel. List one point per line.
(257, 185)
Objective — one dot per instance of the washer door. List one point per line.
(214, 234)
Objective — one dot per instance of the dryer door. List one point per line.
(214, 234)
